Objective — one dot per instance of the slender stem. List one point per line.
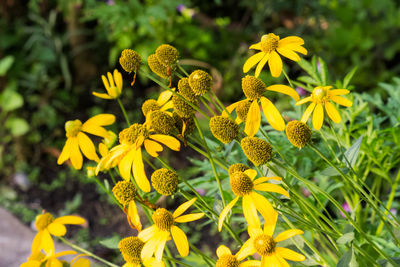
(87, 252)
(124, 111)
(112, 177)
(207, 259)
(107, 192)
(176, 261)
(182, 69)
(207, 106)
(287, 77)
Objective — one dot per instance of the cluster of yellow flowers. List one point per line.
(169, 120)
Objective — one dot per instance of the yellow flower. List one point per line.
(163, 103)
(243, 185)
(128, 154)
(38, 259)
(254, 90)
(113, 89)
(269, 45)
(158, 234)
(225, 258)
(263, 243)
(47, 226)
(321, 97)
(131, 248)
(78, 141)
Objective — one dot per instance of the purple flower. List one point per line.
(393, 212)
(346, 208)
(110, 2)
(319, 67)
(181, 7)
(301, 91)
(201, 191)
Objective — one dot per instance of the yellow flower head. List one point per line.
(270, 45)
(242, 110)
(226, 259)
(165, 181)
(320, 98)
(167, 55)
(163, 103)
(224, 129)
(161, 122)
(156, 66)
(263, 243)
(185, 90)
(113, 86)
(78, 141)
(298, 133)
(184, 125)
(124, 192)
(47, 225)
(128, 154)
(256, 150)
(37, 259)
(182, 108)
(130, 60)
(131, 248)
(237, 167)
(164, 227)
(243, 186)
(200, 82)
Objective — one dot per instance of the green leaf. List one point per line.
(348, 259)
(17, 126)
(111, 243)
(10, 100)
(323, 71)
(346, 238)
(351, 154)
(307, 79)
(348, 77)
(5, 64)
(385, 263)
(307, 67)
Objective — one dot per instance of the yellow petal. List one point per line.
(256, 46)
(182, 208)
(275, 64)
(271, 188)
(110, 79)
(262, 63)
(288, 234)
(169, 141)
(288, 53)
(296, 48)
(253, 119)
(152, 147)
(81, 263)
(70, 219)
(307, 113)
(95, 130)
(284, 89)
(147, 233)
(168, 105)
(100, 120)
(272, 114)
(282, 261)
(230, 108)
(264, 179)
(254, 231)
(118, 80)
(152, 262)
(304, 100)
(263, 206)
(341, 101)
(289, 254)
(189, 217)
(290, 40)
(64, 253)
(180, 240)
(66, 152)
(246, 250)
(134, 215)
(150, 247)
(251, 263)
(87, 147)
(270, 261)
(164, 97)
(103, 149)
(270, 224)
(223, 250)
(43, 241)
(105, 82)
(75, 156)
(253, 60)
(57, 229)
(161, 245)
(338, 92)
(102, 95)
(250, 211)
(251, 173)
(318, 117)
(125, 165)
(138, 172)
(225, 212)
(332, 112)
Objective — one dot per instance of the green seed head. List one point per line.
(252, 87)
(242, 109)
(150, 105)
(157, 67)
(129, 135)
(124, 192)
(256, 150)
(189, 123)
(241, 184)
(237, 167)
(200, 82)
(183, 108)
(165, 181)
(298, 133)
(185, 90)
(131, 248)
(167, 55)
(161, 122)
(130, 60)
(224, 129)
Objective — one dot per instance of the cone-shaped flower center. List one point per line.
(130, 60)
(150, 105)
(319, 94)
(269, 42)
(165, 181)
(298, 133)
(163, 219)
(72, 128)
(253, 88)
(124, 192)
(129, 135)
(241, 184)
(227, 261)
(130, 248)
(43, 220)
(264, 244)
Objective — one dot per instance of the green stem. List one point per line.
(287, 77)
(182, 69)
(176, 261)
(107, 192)
(207, 106)
(124, 112)
(207, 259)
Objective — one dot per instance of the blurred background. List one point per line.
(53, 53)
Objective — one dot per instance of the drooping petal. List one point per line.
(151, 245)
(251, 173)
(288, 234)
(272, 114)
(341, 101)
(95, 130)
(289, 254)
(182, 208)
(87, 147)
(332, 112)
(70, 219)
(43, 240)
(284, 89)
(290, 40)
(75, 156)
(270, 261)
(307, 113)
(81, 263)
(250, 263)
(253, 60)
(263, 206)
(66, 152)
(125, 165)
(271, 188)
(246, 250)
(282, 261)
(253, 119)
(147, 233)
(318, 117)
(168, 105)
(296, 48)
(134, 215)
(180, 240)
(264, 179)
(256, 46)
(102, 95)
(254, 231)
(338, 92)
(152, 147)
(189, 217)
(225, 212)
(57, 229)
(103, 149)
(250, 211)
(288, 53)
(223, 250)
(169, 141)
(164, 97)
(161, 245)
(261, 64)
(230, 108)
(138, 172)
(152, 262)
(275, 64)
(64, 253)
(100, 120)
(270, 224)
(304, 100)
